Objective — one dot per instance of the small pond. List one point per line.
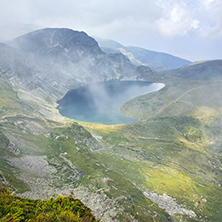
(101, 102)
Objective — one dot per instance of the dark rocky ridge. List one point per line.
(57, 43)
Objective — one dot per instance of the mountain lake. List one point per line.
(100, 102)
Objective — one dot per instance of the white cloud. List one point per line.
(138, 22)
(210, 13)
(106, 18)
(207, 3)
(177, 19)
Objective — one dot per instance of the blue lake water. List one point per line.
(101, 102)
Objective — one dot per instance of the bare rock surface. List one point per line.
(2, 178)
(102, 206)
(37, 165)
(43, 179)
(168, 204)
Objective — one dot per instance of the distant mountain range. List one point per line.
(140, 56)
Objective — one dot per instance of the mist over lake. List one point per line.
(101, 102)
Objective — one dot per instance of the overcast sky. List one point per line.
(191, 29)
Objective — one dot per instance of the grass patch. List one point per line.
(60, 209)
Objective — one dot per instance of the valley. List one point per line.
(167, 166)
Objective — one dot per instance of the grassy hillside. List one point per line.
(201, 70)
(43, 158)
(181, 126)
(165, 166)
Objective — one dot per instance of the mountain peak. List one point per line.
(42, 40)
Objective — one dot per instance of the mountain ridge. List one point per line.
(200, 70)
(56, 38)
(138, 55)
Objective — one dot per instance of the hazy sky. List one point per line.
(191, 29)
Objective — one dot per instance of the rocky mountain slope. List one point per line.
(138, 56)
(166, 166)
(56, 60)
